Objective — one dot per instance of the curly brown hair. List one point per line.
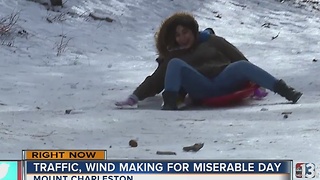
(165, 37)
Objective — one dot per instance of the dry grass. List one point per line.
(62, 44)
(8, 28)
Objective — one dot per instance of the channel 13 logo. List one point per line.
(307, 170)
(9, 170)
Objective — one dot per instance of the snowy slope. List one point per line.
(104, 62)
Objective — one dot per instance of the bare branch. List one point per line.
(95, 17)
(274, 37)
(43, 135)
(240, 5)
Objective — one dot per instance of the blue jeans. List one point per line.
(235, 76)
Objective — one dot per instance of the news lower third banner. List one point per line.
(157, 169)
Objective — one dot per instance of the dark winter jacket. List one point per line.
(209, 58)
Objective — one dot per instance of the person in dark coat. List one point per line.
(200, 68)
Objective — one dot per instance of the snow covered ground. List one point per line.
(104, 61)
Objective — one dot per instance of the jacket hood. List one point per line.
(165, 36)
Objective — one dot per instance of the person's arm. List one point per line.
(152, 84)
(228, 49)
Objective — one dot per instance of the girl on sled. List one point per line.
(200, 65)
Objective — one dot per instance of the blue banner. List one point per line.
(158, 167)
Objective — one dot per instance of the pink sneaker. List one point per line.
(128, 103)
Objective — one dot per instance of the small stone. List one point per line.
(166, 153)
(133, 143)
(68, 111)
(195, 148)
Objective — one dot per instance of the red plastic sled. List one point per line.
(232, 98)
